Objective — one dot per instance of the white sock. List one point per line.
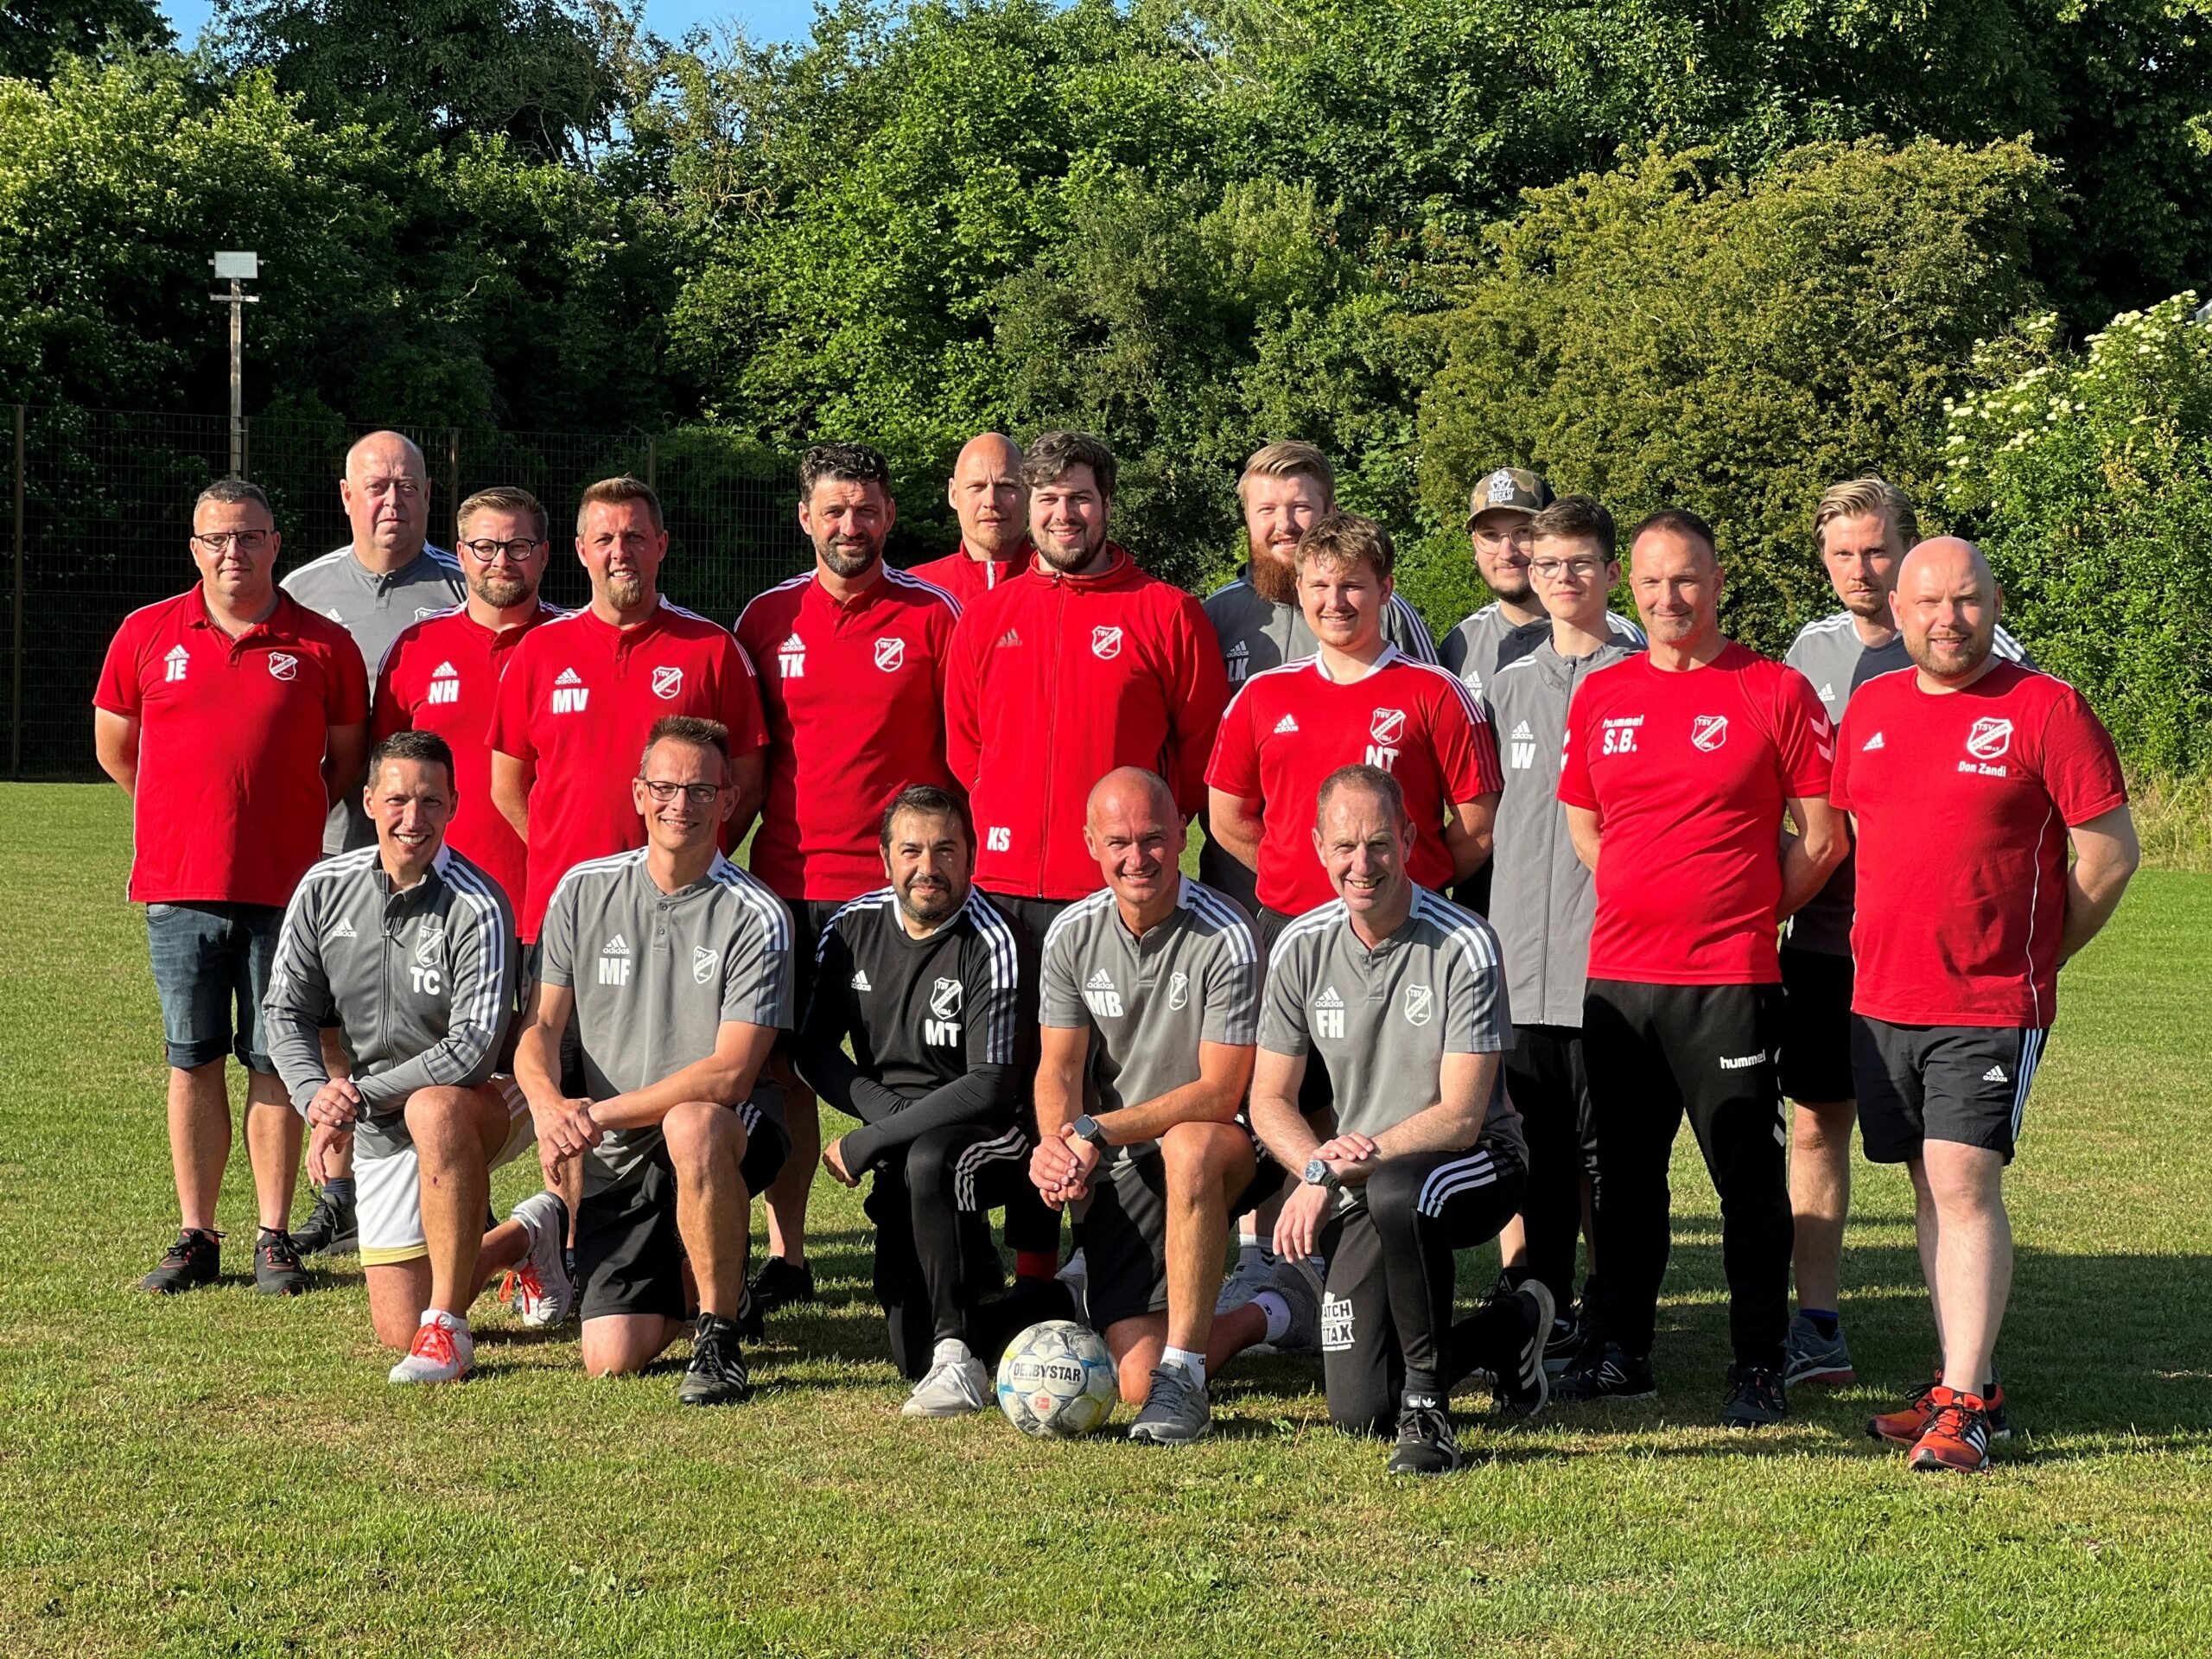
(454, 1321)
(1248, 1246)
(1277, 1310)
(950, 1352)
(1194, 1365)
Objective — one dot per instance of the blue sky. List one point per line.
(762, 20)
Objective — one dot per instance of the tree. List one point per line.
(32, 32)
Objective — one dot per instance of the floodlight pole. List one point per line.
(233, 267)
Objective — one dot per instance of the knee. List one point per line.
(928, 1170)
(698, 1131)
(1963, 1181)
(1198, 1156)
(611, 1354)
(437, 1118)
(1393, 1189)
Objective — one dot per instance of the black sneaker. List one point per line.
(195, 1260)
(1521, 1386)
(1609, 1374)
(780, 1283)
(1563, 1346)
(277, 1269)
(329, 1229)
(752, 1326)
(716, 1374)
(1755, 1399)
(1425, 1445)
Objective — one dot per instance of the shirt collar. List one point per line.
(1390, 654)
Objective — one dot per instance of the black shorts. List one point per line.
(1125, 1234)
(1814, 1056)
(1963, 1083)
(629, 1255)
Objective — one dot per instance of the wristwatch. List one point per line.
(1318, 1173)
(1087, 1127)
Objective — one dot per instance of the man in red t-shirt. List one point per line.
(988, 497)
(1966, 777)
(232, 715)
(851, 657)
(1679, 765)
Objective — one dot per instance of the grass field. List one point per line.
(222, 1474)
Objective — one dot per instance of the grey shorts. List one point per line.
(210, 968)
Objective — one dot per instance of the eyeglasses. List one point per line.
(698, 794)
(515, 552)
(249, 541)
(1519, 535)
(1553, 569)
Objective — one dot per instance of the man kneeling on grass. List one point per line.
(414, 946)
(677, 966)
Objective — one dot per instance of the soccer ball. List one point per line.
(1057, 1381)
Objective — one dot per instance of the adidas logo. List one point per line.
(1872, 743)
(860, 981)
(1011, 637)
(617, 946)
(1098, 991)
(793, 644)
(443, 671)
(1827, 694)
(1288, 724)
(1523, 731)
(345, 929)
(1101, 981)
(1329, 999)
(569, 677)
(1995, 1074)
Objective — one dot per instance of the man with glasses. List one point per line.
(232, 715)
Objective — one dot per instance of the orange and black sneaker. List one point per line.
(1957, 1435)
(1905, 1426)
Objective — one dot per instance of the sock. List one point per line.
(1036, 1264)
(950, 1351)
(1421, 1388)
(340, 1192)
(1194, 1365)
(1271, 1303)
(1822, 1319)
(454, 1321)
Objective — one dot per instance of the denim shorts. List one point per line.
(209, 960)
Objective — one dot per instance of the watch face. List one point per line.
(1317, 1172)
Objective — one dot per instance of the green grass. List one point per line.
(220, 1474)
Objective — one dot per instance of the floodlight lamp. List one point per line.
(244, 267)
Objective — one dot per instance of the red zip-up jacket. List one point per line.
(1056, 680)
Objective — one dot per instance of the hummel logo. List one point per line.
(860, 981)
(1995, 1074)
(345, 929)
(617, 946)
(1871, 744)
(568, 676)
(1288, 724)
(1742, 1061)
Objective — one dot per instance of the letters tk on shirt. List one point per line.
(1962, 801)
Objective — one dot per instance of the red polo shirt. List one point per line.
(231, 798)
(967, 579)
(579, 697)
(1289, 728)
(443, 674)
(854, 693)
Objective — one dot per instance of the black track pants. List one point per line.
(1545, 1077)
(935, 1262)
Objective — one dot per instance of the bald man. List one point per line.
(1967, 777)
(987, 495)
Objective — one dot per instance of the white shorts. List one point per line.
(387, 1191)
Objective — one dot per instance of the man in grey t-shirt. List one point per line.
(676, 966)
(1400, 996)
(1149, 994)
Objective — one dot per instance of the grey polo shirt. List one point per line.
(423, 981)
(1830, 653)
(1149, 1002)
(1256, 635)
(1542, 899)
(1382, 1020)
(373, 608)
(1471, 650)
(656, 977)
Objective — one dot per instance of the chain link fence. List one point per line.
(102, 506)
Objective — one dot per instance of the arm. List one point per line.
(480, 991)
(345, 759)
(818, 1047)
(2105, 858)
(1055, 1167)
(1453, 1124)
(724, 1077)
(1467, 834)
(1233, 822)
(1808, 858)
(963, 722)
(1196, 702)
(1225, 1072)
(292, 1006)
(1582, 829)
(983, 1096)
(512, 777)
(565, 1126)
(115, 740)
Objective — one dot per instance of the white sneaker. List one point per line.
(1075, 1273)
(443, 1350)
(957, 1384)
(1251, 1274)
(537, 1287)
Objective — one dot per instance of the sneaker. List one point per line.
(1175, 1412)
(957, 1385)
(539, 1288)
(716, 1374)
(443, 1351)
(195, 1258)
(1610, 1373)
(1564, 1345)
(1254, 1272)
(1528, 1389)
(1756, 1399)
(782, 1284)
(1299, 1284)
(277, 1269)
(1904, 1425)
(329, 1229)
(1808, 1356)
(1075, 1273)
(1425, 1445)
(1957, 1435)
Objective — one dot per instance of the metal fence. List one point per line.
(102, 506)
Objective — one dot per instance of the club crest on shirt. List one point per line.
(424, 610)
(1709, 732)
(703, 963)
(1105, 642)
(890, 654)
(1989, 738)
(944, 998)
(430, 945)
(1420, 1004)
(283, 666)
(667, 682)
(1388, 725)
(1179, 991)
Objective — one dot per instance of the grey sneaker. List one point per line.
(1175, 1411)
(956, 1386)
(1810, 1357)
(1528, 1390)
(538, 1286)
(1251, 1275)
(1299, 1283)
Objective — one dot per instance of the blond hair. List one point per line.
(1291, 459)
(502, 497)
(612, 491)
(1872, 496)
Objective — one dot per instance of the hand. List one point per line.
(337, 1104)
(833, 1159)
(320, 1143)
(1298, 1228)
(1347, 1148)
(1052, 1167)
(568, 1129)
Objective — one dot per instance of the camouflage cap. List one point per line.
(1509, 489)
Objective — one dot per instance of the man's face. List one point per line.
(410, 803)
(1946, 610)
(387, 498)
(1503, 539)
(1362, 846)
(1570, 576)
(1676, 582)
(1067, 519)
(234, 545)
(1342, 603)
(1862, 555)
(1137, 846)
(623, 551)
(502, 556)
(930, 864)
(991, 501)
(847, 520)
(1277, 511)
(696, 791)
